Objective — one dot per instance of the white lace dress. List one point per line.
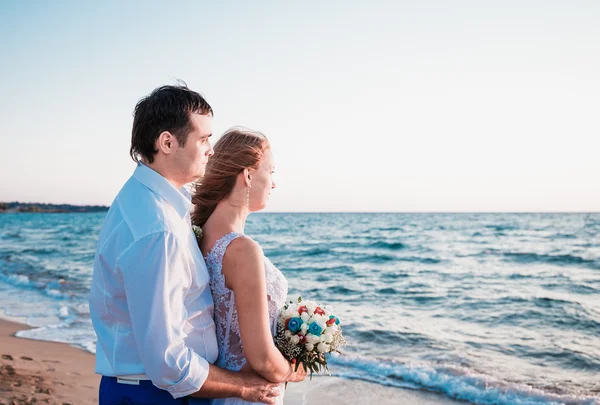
(231, 351)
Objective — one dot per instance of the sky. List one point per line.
(399, 106)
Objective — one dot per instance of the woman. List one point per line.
(248, 290)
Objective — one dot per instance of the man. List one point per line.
(150, 302)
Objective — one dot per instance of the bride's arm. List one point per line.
(243, 268)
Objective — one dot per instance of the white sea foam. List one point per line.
(454, 382)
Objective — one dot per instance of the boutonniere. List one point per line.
(198, 232)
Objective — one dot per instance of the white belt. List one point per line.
(133, 379)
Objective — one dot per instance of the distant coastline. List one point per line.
(16, 206)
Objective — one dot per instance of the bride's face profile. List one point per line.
(262, 182)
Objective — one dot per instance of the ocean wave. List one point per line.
(372, 258)
(387, 245)
(387, 229)
(394, 276)
(346, 270)
(385, 337)
(15, 279)
(51, 288)
(424, 260)
(388, 291)
(566, 358)
(338, 289)
(318, 251)
(39, 251)
(455, 382)
(528, 312)
(519, 276)
(502, 228)
(530, 257)
(564, 236)
(572, 287)
(383, 258)
(563, 260)
(12, 236)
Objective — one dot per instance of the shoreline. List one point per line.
(332, 390)
(43, 372)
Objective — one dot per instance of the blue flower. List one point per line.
(315, 329)
(294, 324)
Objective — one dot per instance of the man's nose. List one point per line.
(210, 152)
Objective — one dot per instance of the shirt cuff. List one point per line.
(193, 381)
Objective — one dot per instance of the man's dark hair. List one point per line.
(167, 108)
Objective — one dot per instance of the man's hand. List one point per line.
(298, 375)
(257, 389)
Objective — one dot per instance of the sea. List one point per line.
(486, 308)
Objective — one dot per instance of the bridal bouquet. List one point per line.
(306, 332)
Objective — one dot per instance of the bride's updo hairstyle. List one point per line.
(236, 150)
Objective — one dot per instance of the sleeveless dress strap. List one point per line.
(220, 246)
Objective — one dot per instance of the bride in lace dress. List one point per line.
(248, 290)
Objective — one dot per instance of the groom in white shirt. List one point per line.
(150, 302)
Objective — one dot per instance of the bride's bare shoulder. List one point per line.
(243, 264)
(244, 248)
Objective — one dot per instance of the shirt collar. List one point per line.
(180, 200)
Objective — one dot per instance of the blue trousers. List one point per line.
(114, 393)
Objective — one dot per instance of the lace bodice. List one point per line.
(231, 352)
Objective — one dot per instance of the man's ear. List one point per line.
(165, 142)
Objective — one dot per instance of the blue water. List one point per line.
(490, 308)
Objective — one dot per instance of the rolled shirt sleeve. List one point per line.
(157, 271)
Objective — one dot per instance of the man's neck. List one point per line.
(164, 173)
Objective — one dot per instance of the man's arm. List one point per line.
(246, 384)
(156, 274)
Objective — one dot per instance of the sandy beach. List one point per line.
(39, 372)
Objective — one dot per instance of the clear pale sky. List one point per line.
(370, 106)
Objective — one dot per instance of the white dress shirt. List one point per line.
(150, 300)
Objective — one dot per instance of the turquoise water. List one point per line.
(491, 308)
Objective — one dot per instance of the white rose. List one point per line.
(309, 347)
(323, 348)
(305, 317)
(311, 307)
(329, 330)
(326, 338)
(288, 333)
(304, 328)
(295, 339)
(310, 338)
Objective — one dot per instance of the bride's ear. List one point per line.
(247, 178)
